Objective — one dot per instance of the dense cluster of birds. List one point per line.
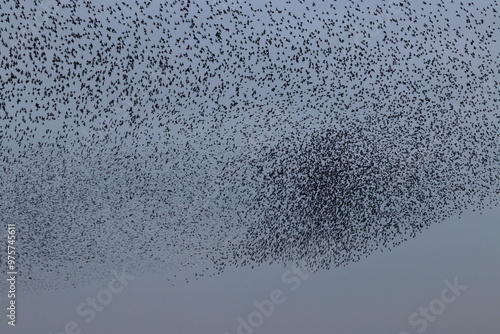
(207, 133)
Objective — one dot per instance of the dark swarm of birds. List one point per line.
(165, 135)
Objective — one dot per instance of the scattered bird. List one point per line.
(207, 134)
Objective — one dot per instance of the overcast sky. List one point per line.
(377, 294)
(144, 146)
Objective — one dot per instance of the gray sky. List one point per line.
(114, 95)
(377, 294)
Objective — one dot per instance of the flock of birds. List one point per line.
(162, 135)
